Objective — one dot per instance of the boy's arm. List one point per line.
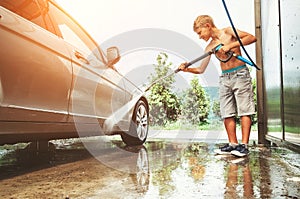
(197, 70)
(201, 68)
(246, 39)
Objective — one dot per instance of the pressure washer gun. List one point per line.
(239, 57)
(228, 56)
(212, 51)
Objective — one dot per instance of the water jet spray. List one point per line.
(118, 115)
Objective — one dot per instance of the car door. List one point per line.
(35, 70)
(96, 89)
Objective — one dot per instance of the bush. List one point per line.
(164, 105)
(196, 105)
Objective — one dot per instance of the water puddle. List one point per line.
(159, 169)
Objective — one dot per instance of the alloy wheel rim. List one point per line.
(142, 122)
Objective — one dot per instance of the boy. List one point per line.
(236, 93)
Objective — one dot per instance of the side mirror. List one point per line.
(113, 55)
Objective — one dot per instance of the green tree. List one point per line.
(254, 117)
(216, 108)
(164, 105)
(196, 103)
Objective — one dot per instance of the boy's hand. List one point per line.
(224, 49)
(182, 67)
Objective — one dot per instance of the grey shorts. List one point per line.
(236, 93)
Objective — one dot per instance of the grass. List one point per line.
(185, 125)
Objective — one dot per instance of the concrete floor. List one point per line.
(168, 165)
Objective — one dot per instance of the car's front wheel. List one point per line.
(138, 131)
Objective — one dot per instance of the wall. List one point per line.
(281, 67)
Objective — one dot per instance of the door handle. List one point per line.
(78, 55)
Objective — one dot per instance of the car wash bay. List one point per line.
(167, 168)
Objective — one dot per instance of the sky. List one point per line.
(107, 20)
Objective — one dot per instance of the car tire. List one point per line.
(142, 175)
(139, 125)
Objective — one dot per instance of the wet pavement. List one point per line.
(102, 167)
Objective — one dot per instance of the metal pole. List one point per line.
(281, 75)
(260, 82)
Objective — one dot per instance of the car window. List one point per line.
(28, 9)
(72, 33)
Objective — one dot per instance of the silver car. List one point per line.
(56, 82)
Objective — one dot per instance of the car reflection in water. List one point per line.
(132, 160)
(69, 161)
(102, 168)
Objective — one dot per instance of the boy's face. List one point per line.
(203, 32)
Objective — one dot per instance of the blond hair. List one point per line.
(202, 20)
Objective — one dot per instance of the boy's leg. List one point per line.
(246, 128)
(242, 149)
(244, 101)
(230, 126)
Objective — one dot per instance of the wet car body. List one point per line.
(55, 81)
